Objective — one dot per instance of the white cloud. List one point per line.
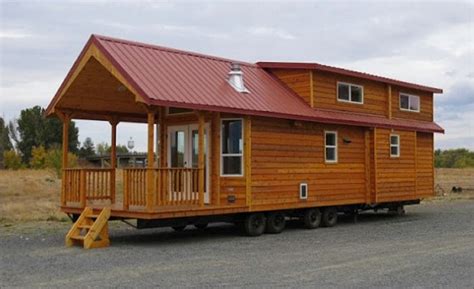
(13, 34)
(272, 32)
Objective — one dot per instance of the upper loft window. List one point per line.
(177, 110)
(348, 92)
(409, 102)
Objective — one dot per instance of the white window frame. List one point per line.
(394, 145)
(331, 146)
(350, 93)
(241, 155)
(305, 197)
(410, 96)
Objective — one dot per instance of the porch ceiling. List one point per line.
(98, 95)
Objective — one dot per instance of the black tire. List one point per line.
(397, 211)
(201, 226)
(178, 228)
(311, 218)
(275, 223)
(329, 217)
(254, 224)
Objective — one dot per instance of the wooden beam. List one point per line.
(216, 156)
(367, 165)
(150, 193)
(389, 104)
(311, 89)
(113, 158)
(416, 164)
(66, 122)
(201, 158)
(248, 162)
(374, 199)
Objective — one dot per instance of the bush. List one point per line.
(12, 160)
(54, 160)
(38, 158)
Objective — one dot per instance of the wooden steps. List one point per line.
(90, 230)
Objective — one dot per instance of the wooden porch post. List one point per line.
(113, 159)
(150, 161)
(201, 158)
(66, 118)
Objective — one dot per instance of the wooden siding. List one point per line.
(424, 165)
(284, 154)
(395, 176)
(298, 80)
(426, 105)
(325, 94)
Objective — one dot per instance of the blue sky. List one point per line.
(430, 43)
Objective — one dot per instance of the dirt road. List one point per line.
(431, 247)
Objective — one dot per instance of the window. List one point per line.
(177, 110)
(394, 145)
(347, 92)
(330, 146)
(303, 191)
(232, 147)
(409, 102)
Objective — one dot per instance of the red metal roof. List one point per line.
(322, 67)
(170, 77)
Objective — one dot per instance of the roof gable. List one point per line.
(168, 77)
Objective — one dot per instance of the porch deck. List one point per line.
(173, 192)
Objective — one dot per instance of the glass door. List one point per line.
(183, 152)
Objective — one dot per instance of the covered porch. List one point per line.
(120, 82)
(179, 170)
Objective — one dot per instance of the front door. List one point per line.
(183, 151)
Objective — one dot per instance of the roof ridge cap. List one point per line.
(171, 50)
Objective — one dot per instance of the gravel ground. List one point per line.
(431, 247)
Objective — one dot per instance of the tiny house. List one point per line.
(249, 143)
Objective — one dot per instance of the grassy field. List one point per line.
(33, 195)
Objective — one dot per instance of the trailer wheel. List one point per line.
(312, 218)
(275, 223)
(329, 217)
(397, 211)
(178, 228)
(254, 224)
(201, 226)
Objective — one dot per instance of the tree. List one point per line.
(121, 149)
(5, 143)
(36, 130)
(103, 148)
(454, 158)
(87, 148)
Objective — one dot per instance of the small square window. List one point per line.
(409, 102)
(347, 92)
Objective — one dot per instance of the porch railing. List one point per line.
(80, 185)
(171, 186)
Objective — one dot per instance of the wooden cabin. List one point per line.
(253, 144)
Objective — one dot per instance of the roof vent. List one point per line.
(236, 78)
